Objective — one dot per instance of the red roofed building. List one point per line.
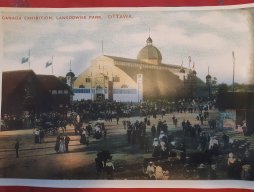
(25, 91)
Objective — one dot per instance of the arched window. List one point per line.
(124, 86)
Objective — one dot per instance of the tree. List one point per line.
(222, 88)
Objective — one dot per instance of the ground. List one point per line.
(40, 161)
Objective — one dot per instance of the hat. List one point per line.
(150, 162)
(231, 155)
(213, 166)
(201, 165)
(246, 167)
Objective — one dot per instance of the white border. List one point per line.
(201, 184)
(197, 184)
(104, 9)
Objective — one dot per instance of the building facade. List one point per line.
(26, 91)
(130, 80)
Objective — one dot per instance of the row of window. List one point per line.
(124, 91)
(59, 92)
(115, 91)
(114, 79)
(145, 66)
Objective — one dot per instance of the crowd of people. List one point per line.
(159, 141)
(62, 143)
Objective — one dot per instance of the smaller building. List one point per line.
(26, 91)
(243, 105)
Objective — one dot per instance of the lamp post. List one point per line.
(91, 86)
(208, 82)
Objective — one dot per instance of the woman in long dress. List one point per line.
(62, 145)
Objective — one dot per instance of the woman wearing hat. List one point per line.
(150, 170)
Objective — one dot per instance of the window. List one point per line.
(66, 91)
(54, 92)
(88, 80)
(124, 86)
(60, 91)
(124, 91)
(116, 79)
(81, 90)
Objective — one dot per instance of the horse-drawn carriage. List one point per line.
(99, 129)
(48, 127)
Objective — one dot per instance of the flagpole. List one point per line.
(102, 49)
(189, 62)
(52, 66)
(29, 58)
(233, 83)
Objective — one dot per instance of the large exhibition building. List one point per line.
(130, 80)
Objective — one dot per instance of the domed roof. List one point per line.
(208, 76)
(150, 54)
(71, 74)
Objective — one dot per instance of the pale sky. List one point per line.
(209, 37)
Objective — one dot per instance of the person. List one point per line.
(84, 137)
(231, 165)
(89, 129)
(37, 136)
(158, 172)
(166, 175)
(67, 141)
(109, 167)
(17, 148)
(124, 124)
(61, 145)
(117, 119)
(150, 171)
(99, 166)
(146, 144)
(162, 136)
(57, 145)
(213, 174)
(225, 139)
(97, 133)
(41, 136)
(202, 172)
(213, 144)
(246, 172)
(156, 148)
(153, 131)
(244, 127)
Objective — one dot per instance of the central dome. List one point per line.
(150, 54)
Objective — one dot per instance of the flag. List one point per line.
(24, 60)
(48, 64)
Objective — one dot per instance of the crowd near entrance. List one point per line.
(177, 140)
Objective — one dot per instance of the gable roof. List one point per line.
(11, 80)
(51, 82)
(135, 61)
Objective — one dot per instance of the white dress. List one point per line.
(61, 146)
(158, 173)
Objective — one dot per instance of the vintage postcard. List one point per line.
(127, 94)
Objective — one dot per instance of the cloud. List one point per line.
(208, 36)
(221, 20)
(13, 48)
(72, 48)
